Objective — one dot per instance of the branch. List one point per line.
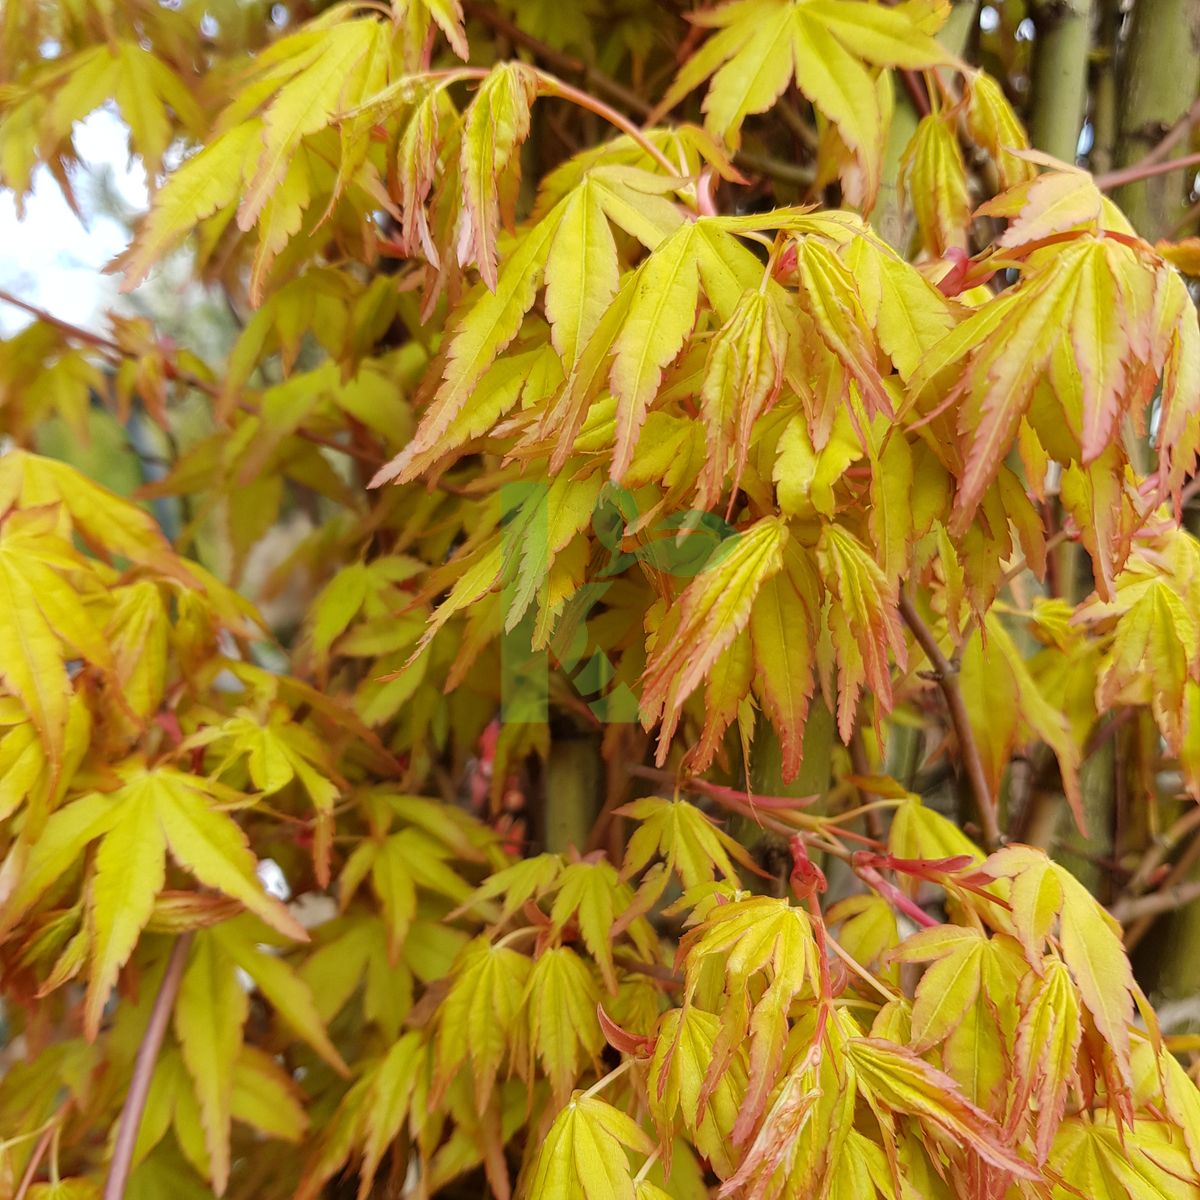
(553, 86)
(35, 1161)
(798, 174)
(947, 680)
(661, 974)
(1175, 885)
(1156, 854)
(173, 371)
(490, 15)
(143, 1070)
(1171, 139)
(721, 793)
(1144, 170)
(1130, 910)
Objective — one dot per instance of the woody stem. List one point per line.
(968, 748)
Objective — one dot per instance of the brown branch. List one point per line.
(1156, 853)
(179, 374)
(1171, 139)
(947, 679)
(916, 92)
(798, 174)
(1152, 905)
(1176, 880)
(663, 975)
(491, 16)
(143, 1071)
(1144, 170)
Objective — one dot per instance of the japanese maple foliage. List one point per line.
(601, 681)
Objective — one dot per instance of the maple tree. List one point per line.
(663, 658)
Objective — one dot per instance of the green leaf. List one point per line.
(713, 610)
(130, 872)
(584, 1154)
(560, 1005)
(478, 1018)
(496, 124)
(209, 1013)
(287, 993)
(395, 1094)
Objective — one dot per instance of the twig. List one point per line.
(1170, 140)
(143, 1070)
(553, 86)
(1157, 852)
(179, 374)
(916, 92)
(663, 975)
(785, 172)
(1138, 909)
(718, 791)
(1144, 170)
(1172, 885)
(947, 680)
(490, 15)
(35, 1161)
(1022, 565)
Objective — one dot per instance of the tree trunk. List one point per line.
(1159, 83)
(1060, 72)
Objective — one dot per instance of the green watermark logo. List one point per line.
(678, 544)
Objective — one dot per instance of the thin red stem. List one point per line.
(143, 1072)
(1144, 170)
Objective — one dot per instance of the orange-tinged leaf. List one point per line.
(937, 186)
(42, 623)
(207, 843)
(992, 122)
(1183, 1103)
(947, 989)
(863, 623)
(661, 313)
(31, 869)
(742, 377)
(691, 845)
(496, 124)
(897, 1080)
(1091, 946)
(784, 625)
(1047, 1044)
(593, 894)
(714, 609)
(323, 77)
(683, 1051)
(761, 45)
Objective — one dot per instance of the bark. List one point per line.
(572, 792)
(889, 218)
(1060, 71)
(1159, 82)
(1105, 114)
(766, 779)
